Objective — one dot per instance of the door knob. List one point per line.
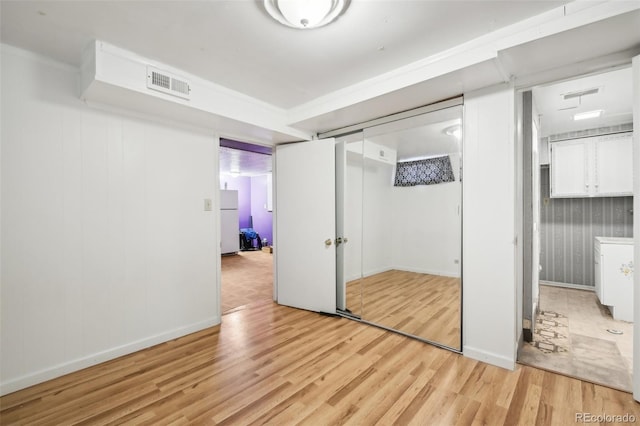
(345, 240)
(327, 242)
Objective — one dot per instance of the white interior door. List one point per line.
(306, 225)
(636, 225)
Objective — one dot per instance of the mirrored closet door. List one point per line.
(403, 211)
(349, 173)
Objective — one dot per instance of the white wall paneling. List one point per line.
(106, 246)
(376, 217)
(489, 311)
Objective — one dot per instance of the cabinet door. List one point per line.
(569, 169)
(614, 166)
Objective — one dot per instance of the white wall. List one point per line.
(426, 226)
(376, 207)
(353, 217)
(489, 297)
(106, 248)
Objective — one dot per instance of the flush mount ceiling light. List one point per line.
(305, 14)
(586, 115)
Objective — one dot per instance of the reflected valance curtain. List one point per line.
(424, 172)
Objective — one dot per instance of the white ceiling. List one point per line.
(236, 161)
(237, 45)
(378, 58)
(614, 97)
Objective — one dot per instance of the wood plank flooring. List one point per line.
(270, 364)
(423, 305)
(247, 277)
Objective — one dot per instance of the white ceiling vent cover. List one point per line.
(165, 82)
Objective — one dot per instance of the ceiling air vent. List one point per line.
(165, 82)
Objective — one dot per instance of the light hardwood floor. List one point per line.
(247, 277)
(423, 305)
(278, 365)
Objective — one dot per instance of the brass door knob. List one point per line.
(327, 242)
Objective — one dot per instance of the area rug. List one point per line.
(551, 333)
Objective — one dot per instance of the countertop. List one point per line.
(615, 240)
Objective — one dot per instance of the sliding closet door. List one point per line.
(411, 226)
(305, 225)
(349, 173)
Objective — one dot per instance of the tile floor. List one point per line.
(592, 354)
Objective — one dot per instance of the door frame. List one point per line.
(523, 225)
(635, 77)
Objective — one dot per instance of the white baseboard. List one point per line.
(489, 358)
(567, 285)
(377, 271)
(451, 274)
(99, 357)
(407, 269)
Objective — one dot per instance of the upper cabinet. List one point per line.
(599, 166)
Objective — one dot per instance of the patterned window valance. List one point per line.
(424, 172)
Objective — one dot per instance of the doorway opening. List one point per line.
(246, 224)
(578, 228)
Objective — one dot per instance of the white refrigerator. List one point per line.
(229, 222)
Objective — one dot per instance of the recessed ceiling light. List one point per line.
(305, 14)
(586, 115)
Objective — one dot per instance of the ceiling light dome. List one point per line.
(305, 14)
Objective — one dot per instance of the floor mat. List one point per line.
(551, 333)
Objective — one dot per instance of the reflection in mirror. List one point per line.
(411, 226)
(349, 223)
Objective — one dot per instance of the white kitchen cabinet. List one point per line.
(613, 263)
(614, 165)
(598, 166)
(570, 169)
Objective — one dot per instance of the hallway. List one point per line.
(247, 277)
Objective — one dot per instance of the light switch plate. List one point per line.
(208, 205)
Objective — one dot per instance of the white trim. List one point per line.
(99, 357)
(405, 269)
(479, 50)
(568, 285)
(489, 358)
(635, 70)
(450, 274)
